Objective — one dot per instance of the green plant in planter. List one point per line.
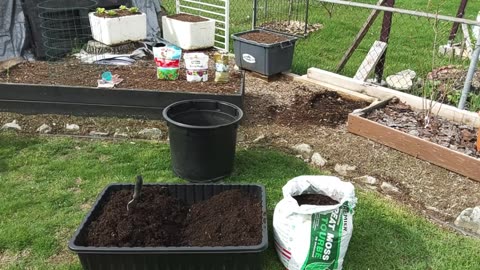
(123, 7)
(100, 11)
(134, 10)
(112, 13)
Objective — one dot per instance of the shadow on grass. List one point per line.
(11, 144)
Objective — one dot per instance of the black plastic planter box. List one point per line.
(89, 101)
(174, 258)
(266, 59)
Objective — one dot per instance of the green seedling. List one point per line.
(100, 10)
(134, 10)
(112, 13)
(123, 7)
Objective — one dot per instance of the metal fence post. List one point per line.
(384, 37)
(254, 17)
(470, 74)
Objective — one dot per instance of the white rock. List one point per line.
(343, 169)
(367, 179)
(259, 138)
(119, 134)
(469, 220)
(318, 160)
(13, 125)
(387, 187)
(44, 129)
(408, 73)
(414, 133)
(98, 134)
(151, 133)
(72, 127)
(303, 149)
(399, 82)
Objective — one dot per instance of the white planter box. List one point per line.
(111, 31)
(189, 35)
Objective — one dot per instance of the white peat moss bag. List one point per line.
(314, 237)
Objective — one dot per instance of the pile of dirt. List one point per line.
(455, 136)
(292, 27)
(264, 37)
(118, 13)
(141, 75)
(156, 220)
(187, 18)
(231, 218)
(326, 108)
(314, 199)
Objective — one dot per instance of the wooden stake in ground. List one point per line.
(478, 138)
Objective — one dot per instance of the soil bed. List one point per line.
(187, 18)
(446, 133)
(141, 75)
(264, 37)
(314, 199)
(120, 13)
(231, 218)
(325, 108)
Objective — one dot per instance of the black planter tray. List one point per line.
(174, 258)
(90, 101)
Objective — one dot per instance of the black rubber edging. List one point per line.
(89, 101)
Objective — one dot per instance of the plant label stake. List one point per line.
(136, 192)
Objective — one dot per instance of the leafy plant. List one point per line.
(134, 10)
(123, 7)
(112, 13)
(474, 104)
(100, 10)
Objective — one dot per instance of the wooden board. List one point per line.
(417, 147)
(371, 60)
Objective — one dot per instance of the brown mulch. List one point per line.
(187, 18)
(142, 75)
(458, 137)
(264, 37)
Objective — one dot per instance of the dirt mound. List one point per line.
(231, 218)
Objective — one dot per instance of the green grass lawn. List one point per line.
(47, 186)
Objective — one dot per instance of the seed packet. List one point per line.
(168, 74)
(197, 75)
(221, 67)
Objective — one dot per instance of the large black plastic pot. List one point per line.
(203, 136)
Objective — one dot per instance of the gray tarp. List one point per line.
(151, 8)
(12, 29)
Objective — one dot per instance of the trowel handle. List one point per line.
(138, 187)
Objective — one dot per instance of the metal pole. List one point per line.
(470, 74)
(460, 13)
(305, 32)
(384, 37)
(227, 25)
(254, 17)
(402, 11)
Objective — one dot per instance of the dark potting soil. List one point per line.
(326, 108)
(187, 18)
(264, 37)
(455, 136)
(156, 220)
(231, 218)
(314, 199)
(119, 13)
(141, 75)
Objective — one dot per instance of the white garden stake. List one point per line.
(314, 237)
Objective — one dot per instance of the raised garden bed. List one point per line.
(70, 88)
(189, 227)
(445, 143)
